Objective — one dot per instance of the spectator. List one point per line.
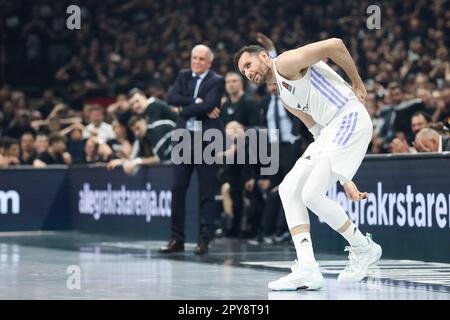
(419, 120)
(41, 143)
(56, 153)
(235, 178)
(152, 108)
(20, 124)
(238, 106)
(120, 109)
(428, 140)
(120, 146)
(152, 144)
(75, 142)
(98, 127)
(48, 102)
(96, 151)
(11, 151)
(400, 144)
(27, 150)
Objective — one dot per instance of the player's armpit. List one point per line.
(305, 118)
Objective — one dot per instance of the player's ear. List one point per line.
(263, 56)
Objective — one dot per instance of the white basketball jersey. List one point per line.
(321, 92)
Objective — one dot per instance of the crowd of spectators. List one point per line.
(130, 52)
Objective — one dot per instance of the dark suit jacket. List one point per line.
(211, 91)
(445, 143)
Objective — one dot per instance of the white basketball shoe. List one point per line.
(304, 275)
(360, 259)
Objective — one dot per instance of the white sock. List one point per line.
(354, 237)
(303, 247)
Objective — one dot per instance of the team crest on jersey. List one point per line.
(290, 88)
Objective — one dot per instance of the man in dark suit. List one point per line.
(197, 92)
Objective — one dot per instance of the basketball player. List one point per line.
(333, 112)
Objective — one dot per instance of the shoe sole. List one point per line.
(311, 286)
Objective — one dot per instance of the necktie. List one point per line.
(194, 86)
(277, 118)
(190, 124)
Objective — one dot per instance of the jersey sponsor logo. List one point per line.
(288, 87)
(304, 108)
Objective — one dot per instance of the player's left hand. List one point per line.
(353, 193)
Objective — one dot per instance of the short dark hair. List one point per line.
(55, 138)
(252, 49)
(33, 133)
(134, 91)
(7, 142)
(134, 119)
(41, 133)
(394, 85)
(229, 73)
(423, 114)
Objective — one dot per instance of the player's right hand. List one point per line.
(360, 92)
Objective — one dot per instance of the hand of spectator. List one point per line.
(175, 109)
(114, 164)
(264, 184)
(67, 158)
(12, 161)
(77, 125)
(250, 184)
(111, 109)
(104, 150)
(128, 167)
(214, 114)
(398, 146)
(92, 132)
(39, 164)
(265, 41)
(353, 193)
